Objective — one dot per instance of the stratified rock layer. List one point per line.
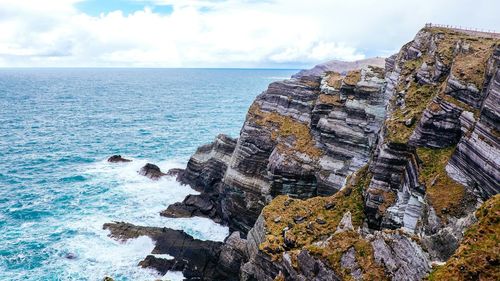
(297, 200)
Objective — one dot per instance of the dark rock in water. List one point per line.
(174, 172)
(118, 159)
(107, 278)
(151, 171)
(196, 259)
(70, 256)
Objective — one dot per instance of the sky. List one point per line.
(220, 33)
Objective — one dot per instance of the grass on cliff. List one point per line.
(284, 127)
(468, 65)
(316, 219)
(417, 98)
(478, 256)
(445, 195)
(341, 243)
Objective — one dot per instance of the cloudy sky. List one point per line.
(219, 33)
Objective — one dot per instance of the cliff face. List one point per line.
(370, 174)
(302, 137)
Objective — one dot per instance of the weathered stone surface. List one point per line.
(402, 257)
(207, 166)
(204, 173)
(476, 162)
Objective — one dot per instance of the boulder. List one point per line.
(118, 159)
(151, 171)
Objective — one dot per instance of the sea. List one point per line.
(57, 128)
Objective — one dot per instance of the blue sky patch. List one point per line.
(96, 7)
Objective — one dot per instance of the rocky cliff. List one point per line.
(369, 174)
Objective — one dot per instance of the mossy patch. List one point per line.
(417, 98)
(478, 256)
(352, 78)
(445, 195)
(311, 220)
(283, 127)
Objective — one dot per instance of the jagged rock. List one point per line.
(195, 258)
(345, 223)
(118, 159)
(330, 139)
(151, 171)
(193, 205)
(108, 279)
(402, 257)
(348, 261)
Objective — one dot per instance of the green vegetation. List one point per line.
(478, 256)
(445, 195)
(468, 65)
(284, 126)
(416, 99)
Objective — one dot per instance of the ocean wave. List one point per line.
(131, 198)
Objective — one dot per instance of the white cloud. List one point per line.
(227, 33)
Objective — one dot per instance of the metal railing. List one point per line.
(477, 31)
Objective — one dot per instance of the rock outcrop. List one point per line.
(340, 66)
(370, 174)
(195, 258)
(118, 159)
(151, 171)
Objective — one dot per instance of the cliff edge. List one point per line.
(375, 173)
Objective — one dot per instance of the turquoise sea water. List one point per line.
(58, 126)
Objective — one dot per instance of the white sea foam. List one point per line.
(131, 198)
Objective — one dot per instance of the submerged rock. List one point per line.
(118, 159)
(151, 171)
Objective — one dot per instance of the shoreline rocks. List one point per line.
(151, 171)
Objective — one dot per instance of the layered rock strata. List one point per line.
(324, 184)
(301, 137)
